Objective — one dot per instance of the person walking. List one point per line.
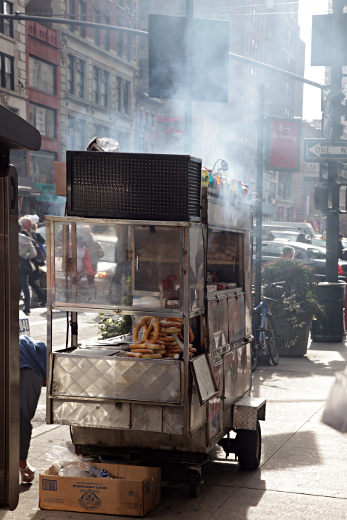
(27, 252)
(34, 275)
(32, 378)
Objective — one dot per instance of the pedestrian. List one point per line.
(288, 252)
(27, 251)
(94, 249)
(84, 266)
(340, 247)
(34, 275)
(32, 378)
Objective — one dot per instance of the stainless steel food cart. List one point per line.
(168, 409)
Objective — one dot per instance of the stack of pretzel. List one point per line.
(157, 340)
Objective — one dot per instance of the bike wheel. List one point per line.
(271, 340)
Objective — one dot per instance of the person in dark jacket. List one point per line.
(27, 252)
(32, 378)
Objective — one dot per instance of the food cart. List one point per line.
(187, 258)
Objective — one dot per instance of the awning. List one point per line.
(27, 188)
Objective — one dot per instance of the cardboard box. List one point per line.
(60, 178)
(134, 491)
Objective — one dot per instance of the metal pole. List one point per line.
(259, 215)
(332, 221)
(188, 132)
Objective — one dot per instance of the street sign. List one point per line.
(317, 150)
(282, 144)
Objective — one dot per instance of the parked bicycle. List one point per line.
(265, 339)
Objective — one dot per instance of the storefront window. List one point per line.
(41, 75)
(43, 119)
(42, 167)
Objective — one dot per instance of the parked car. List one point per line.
(291, 236)
(310, 255)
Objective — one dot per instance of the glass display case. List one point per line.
(107, 264)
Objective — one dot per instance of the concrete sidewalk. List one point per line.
(303, 472)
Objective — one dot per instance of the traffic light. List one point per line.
(323, 198)
(334, 109)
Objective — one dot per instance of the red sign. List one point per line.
(283, 137)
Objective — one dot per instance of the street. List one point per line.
(303, 470)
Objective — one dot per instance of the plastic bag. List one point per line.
(71, 465)
(335, 412)
(104, 144)
(82, 468)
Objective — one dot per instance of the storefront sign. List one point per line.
(48, 193)
(282, 145)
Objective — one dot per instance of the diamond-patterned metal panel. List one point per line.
(172, 420)
(134, 380)
(246, 413)
(91, 414)
(145, 417)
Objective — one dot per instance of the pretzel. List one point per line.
(133, 354)
(171, 330)
(179, 320)
(154, 324)
(152, 346)
(141, 323)
(164, 323)
(152, 356)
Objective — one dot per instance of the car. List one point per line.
(291, 236)
(310, 255)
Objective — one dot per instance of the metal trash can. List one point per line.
(331, 295)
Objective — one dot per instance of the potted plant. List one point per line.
(296, 304)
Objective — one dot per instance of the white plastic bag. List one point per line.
(335, 412)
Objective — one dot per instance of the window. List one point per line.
(147, 118)
(41, 75)
(6, 72)
(104, 88)
(100, 86)
(71, 10)
(107, 33)
(128, 47)
(101, 130)
(82, 10)
(42, 118)
(152, 120)
(120, 40)
(76, 138)
(42, 167)
(75, 76)
(96, 85)
(97, 19)
(6, 26)
(141, 115)
(80, 79)
(118, 94)
(126, 104)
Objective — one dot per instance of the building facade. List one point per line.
(98, 75)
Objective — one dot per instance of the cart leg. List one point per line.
(248, 448)
(194, 480)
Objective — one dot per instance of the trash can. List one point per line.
(331, 295)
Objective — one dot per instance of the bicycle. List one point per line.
(265, 338)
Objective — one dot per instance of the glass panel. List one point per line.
(157, 266)
(197, 268)
(223, 257)
(99, 268)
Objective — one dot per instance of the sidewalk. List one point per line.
(303, 472)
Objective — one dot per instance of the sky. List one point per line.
(312, 95)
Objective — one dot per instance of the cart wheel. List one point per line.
(249, 448)
(194, 483)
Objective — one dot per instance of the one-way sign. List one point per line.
(317, 150)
